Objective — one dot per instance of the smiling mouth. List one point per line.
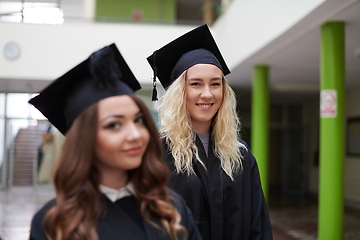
(205, 106)
(133, 151)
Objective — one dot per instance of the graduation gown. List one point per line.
(119, 223)
(223, 209)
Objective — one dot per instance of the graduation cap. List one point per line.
(104, 74)
(194, 47)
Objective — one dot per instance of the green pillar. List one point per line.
(259, 122)
(332, 131)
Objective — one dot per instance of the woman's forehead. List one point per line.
(204, 70)
(117, 105)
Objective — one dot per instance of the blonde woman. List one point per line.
(212, 168)
(111, 180)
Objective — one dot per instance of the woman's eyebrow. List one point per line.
(194, 79)
(200, 79)
(119, 116)
(111, 116)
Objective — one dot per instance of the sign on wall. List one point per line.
(328, 103)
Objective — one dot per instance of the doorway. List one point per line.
(21, 126)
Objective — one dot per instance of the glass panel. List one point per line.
(2, 139)
(2, 105)
(2, 153)
(43, 13)
(17, 105)
(47, 12)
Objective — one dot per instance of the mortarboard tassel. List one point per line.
(154, 93)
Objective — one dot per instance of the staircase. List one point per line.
(26, 143)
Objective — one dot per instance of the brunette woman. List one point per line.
(212, 168)
(111, 180)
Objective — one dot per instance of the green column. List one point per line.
(332, 131)
(259, 122)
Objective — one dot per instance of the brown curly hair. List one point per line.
(76, 182)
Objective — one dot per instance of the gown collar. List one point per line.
(116, 194)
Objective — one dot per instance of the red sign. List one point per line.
(137, 15)
(328, 104)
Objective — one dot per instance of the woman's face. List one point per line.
(122, 137)
(204, 94)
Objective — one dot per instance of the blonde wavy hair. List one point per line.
(177, 130)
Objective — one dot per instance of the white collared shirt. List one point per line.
(114, 194)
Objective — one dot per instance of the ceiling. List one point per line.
(294, 57)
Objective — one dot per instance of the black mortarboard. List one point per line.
(104, 74)
(196, 46)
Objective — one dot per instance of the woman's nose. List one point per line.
(133, 132)
(206, 92)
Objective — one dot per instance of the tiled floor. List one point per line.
(17, 206)
(297, 218)
(292, 219)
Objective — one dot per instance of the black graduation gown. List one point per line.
(223, 209)
(118, 224)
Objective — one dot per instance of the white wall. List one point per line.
(48, 51)
(252, 24)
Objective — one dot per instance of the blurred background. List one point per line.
(41, 40)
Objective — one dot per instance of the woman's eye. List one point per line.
(216, 84)
(195, 84)
(139, 120)
(114, 125)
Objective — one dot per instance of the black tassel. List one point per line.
(154, 93)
